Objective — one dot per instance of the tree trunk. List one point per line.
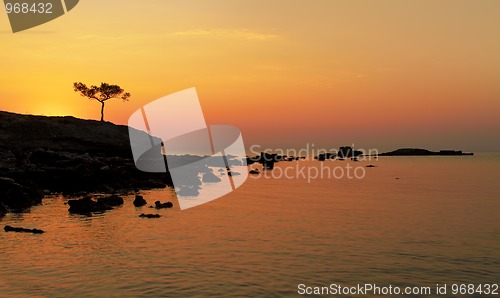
(102, 111)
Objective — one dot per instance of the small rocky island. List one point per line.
(422, 152)
(41, 155)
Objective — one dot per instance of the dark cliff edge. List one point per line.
(423, 152)
(41, 154)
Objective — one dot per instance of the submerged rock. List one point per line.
(371, 166)
(325, 156)
(111, 201)
(254, 172)
(159, 205)
(22, 230)
(150, 215)
(139, 201)
(87, 206)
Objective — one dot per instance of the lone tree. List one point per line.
(102, 93)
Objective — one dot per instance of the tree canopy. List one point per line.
(101, 93)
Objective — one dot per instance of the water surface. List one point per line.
(412, 221)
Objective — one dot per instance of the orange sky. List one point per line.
(377, 74)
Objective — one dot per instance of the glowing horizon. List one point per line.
(381, 74)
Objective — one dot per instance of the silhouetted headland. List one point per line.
(422, 152)
(40, 155)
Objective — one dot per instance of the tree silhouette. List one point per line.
(102, 93)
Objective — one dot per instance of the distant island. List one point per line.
(423, 152)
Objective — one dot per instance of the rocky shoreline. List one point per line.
(42, 155)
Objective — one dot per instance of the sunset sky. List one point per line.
(376, 74)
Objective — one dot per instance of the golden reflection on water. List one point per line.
(438, 222)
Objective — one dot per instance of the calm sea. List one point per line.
(411, 221)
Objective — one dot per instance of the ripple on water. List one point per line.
(266, 238)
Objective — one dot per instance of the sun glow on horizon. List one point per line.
(384, 74)
(53, 110)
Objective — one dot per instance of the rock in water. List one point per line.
(254, 172)
(210, 177)
(159, 205)
(150, 215)
(268, 165)
(22, 230)
(16, 197)
(187, 191)
(139, 201)
(112, 201)
(87, 206)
